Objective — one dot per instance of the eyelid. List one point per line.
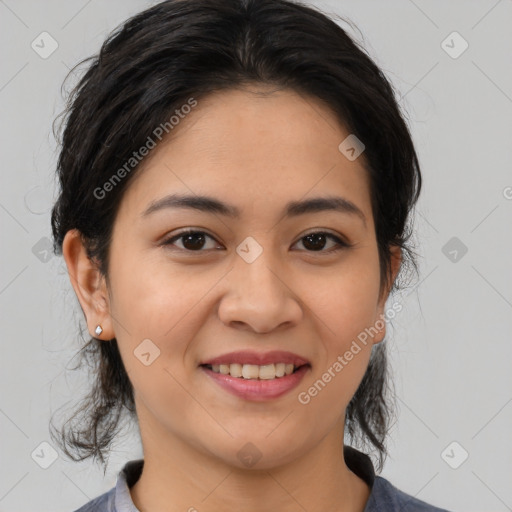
(324, 231)
(340, 240)
(185, 231)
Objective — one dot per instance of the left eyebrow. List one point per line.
(292, 209)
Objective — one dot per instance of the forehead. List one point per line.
(253, 145)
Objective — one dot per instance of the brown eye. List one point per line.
(193, 241)
(196, 241)
(316, 242)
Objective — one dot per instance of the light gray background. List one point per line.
(450, 345)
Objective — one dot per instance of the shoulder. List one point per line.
(118, 499)
(103, 503)
(385, 497)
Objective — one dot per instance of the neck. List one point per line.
(179, 477)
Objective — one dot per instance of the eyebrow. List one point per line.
(292, 209)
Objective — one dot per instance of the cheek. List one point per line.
(152, 295)
(347, 300)
(344, 309)
(163, 303)
(155, 302)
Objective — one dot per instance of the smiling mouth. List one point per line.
(253, 371)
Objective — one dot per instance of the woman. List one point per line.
(236, 183)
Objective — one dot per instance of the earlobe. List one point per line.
(89, 286)
(380, 319)
(380, 326)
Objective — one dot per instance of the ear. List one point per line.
(89, 285)
(380, 319)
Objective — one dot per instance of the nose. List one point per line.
(259, 298)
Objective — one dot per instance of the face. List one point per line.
(304, 281)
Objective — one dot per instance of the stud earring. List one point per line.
(98, 330)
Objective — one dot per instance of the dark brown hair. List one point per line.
(151, 66)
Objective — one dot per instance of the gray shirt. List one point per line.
(384, 497)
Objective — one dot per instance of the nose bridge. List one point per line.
(257, 268)
(258, 294)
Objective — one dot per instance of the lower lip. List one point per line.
(255, 389)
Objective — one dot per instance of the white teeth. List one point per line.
(280, 369)
(253, 371)
(250, 371)
(267, 372)
(235, 370)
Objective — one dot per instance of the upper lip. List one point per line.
(258, 358)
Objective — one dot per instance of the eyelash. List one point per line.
(341, 244)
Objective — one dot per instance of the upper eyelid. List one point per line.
(177, 236)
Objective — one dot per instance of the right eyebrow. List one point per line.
(292, 209)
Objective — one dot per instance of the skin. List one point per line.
(257, 153)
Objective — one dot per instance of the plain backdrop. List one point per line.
(450, 346)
